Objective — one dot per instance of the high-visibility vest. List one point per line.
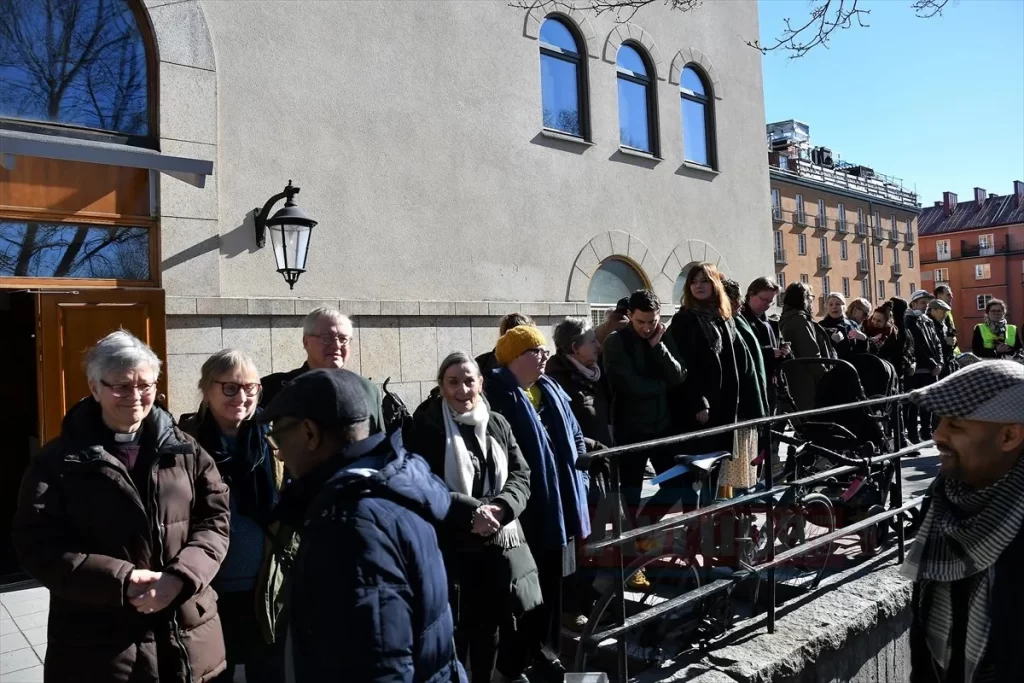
(989, 339)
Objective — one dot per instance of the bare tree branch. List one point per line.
(800, 35)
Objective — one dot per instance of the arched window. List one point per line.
(614, 279)
(85, 65)
(637, 120)
(677, 288)
(562, 79)
(698, 119)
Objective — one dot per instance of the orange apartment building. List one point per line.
(837, 226)
(977, 248)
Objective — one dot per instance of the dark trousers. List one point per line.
(912, 414)
(631, 481)
(480, 605)
(537, 637)
(243, 640)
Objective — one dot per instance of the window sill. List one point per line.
(565, 137)
(629, 151)
(701, 168)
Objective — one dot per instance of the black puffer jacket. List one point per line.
(845, 347)
(590, 401)
(927, 345)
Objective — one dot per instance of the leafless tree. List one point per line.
(91, 251)
(73, 61)
(798, 37)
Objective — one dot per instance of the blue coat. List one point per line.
(369, 594)
(557, 509)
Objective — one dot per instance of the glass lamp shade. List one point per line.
(290, 229)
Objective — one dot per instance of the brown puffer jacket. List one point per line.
(81, 528)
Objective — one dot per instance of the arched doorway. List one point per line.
(614, 279)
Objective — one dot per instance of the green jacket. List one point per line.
(640, 376)
(753, 405)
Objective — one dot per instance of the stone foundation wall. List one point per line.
(403, 340)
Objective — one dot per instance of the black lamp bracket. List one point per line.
(260, 216)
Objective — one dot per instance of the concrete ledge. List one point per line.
(854, 628)
(276, 307)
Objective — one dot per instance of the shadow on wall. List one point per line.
(240, 239)
(707, 175)
(634, 159)
(576, 147)
(195, 251)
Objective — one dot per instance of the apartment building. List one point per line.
(837, 226)
(977, 249)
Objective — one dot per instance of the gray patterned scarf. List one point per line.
(709, 324)
(961, 537)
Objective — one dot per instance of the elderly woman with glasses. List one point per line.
(124, 519)
(227, 427)
(556, 518)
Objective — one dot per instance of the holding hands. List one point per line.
(151, 592)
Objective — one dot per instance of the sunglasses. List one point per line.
(232, 388)
(273, 437)
(126, 390)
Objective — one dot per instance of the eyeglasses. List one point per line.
(328, 339)
(232, 388)
(273, 437)
(539, 351)
(126, 390)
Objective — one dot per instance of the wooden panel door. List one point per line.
(71, 322)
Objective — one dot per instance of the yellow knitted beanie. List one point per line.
(516, 342)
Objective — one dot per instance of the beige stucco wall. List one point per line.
(413, 130)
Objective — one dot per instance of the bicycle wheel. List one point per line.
(812, 518)
(670, 573)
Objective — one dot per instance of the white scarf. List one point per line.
(458, 463)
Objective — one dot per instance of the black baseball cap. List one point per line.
(328, 397)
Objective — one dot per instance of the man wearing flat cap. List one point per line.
(929, 363)
(369, 594)
(967, 558)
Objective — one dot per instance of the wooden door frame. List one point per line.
(50, 381)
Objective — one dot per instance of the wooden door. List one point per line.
(71, 322)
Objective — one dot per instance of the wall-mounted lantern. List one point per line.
(290, 229)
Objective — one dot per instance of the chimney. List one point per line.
(938, 203)
(949, 201)
(979, 197)
(1018, 192)
(993, 195)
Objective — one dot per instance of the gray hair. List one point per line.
(570, 332)
(224, 362)
(453, 359)
(117, 352)
(838, 296)
(323, 312)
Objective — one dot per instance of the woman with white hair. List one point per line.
(125, 520)
(844, 333)
(227, 427)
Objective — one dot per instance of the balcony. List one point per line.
(862, 229)
(910, 236)
(841, 226)
(876, 232)
(894, 235)
(800, 219)
(897, 269)
(780, 257)
(863, 266)
(777, 214)
(824, 262)
(820, 222)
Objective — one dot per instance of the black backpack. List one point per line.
(396, 413)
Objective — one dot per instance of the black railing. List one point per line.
(619, 538)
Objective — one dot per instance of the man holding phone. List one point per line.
(761, 296)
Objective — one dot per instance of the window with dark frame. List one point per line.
(637, 107)
(698, 118)
(801, 245)
(846, 287)
(843, 253)
(563, 79)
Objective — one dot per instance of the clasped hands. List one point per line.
(150, 591)
(487, 520)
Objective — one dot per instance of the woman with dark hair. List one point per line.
(994, 337)
(808, 340)
(704, 339)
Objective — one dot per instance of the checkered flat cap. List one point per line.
(988, 391)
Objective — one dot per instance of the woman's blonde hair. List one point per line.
(720, 301)
(858, 304)
(224, 362)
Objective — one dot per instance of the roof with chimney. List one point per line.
(951, 215)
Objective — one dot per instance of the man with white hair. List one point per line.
(966, 558)
(327, 337)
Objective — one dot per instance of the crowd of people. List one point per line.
(302, 526)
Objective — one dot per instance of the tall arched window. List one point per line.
(84, 66)
(637, 120)
(613, 280)
(698, 119)
(562, 79)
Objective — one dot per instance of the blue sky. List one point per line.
(937, 102)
